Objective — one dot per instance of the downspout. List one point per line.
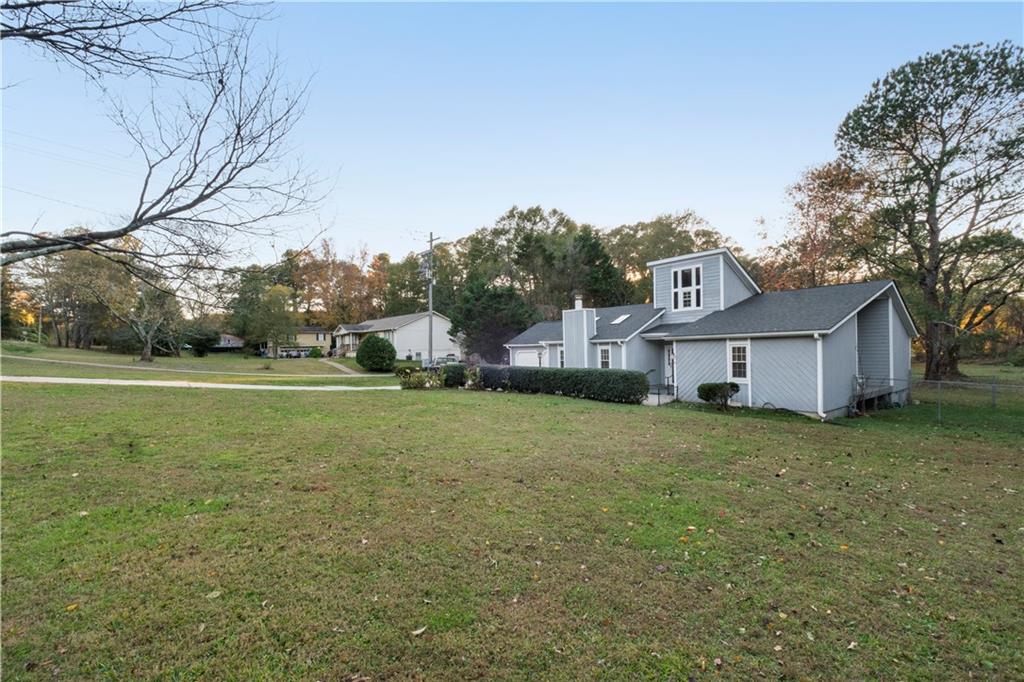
(821, 378)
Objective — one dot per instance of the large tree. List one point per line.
(121, 38)
(632, 246)
(941, 139)
(546, 257)
(824, 225)
(487, 315)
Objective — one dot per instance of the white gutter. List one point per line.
(739, 335)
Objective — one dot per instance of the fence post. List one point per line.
(939, 403)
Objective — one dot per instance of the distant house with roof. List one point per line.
(409, 334)
(301, 343)
(817, 351)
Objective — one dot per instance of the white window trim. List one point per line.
(728, 357)
(561, 356)
(693, 288)
(604, 347)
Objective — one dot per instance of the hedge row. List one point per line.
(608, 385)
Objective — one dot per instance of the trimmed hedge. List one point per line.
(376, 354)
(607, 385)
(718, 393)
(454, 375)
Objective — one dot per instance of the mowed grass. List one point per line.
(17, 366)
(213, 362)
(315, 536)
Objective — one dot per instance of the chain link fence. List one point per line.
(954, 401)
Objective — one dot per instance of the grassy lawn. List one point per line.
(315, 536)
(1002, 373)
(17, 366)
(214, 362)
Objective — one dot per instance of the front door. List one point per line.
(670, 364)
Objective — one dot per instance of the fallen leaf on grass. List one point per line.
(71, 607)
(852, 645)
(213, 595)
(417, 633)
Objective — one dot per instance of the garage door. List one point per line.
(527, 358)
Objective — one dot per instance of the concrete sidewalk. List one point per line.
(187, 384)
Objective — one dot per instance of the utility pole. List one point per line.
(430, 299)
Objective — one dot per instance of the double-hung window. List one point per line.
(604, 356)
(687, 290)
(739, 361)
(561, 356)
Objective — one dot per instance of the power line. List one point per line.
(59, 201)
(56, 156)
(48, 140)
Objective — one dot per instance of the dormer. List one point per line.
(691, 286)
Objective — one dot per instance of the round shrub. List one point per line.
(718, 394)
(376, 354)
(315, 352)
(454, 375)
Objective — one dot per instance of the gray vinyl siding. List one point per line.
(698, 362)
(839, 366)
(784, 372)
(710, 301)
(900, 350)
(873, 339)
(553, 355)
(577, 328)
(736, 288)
(647, 357)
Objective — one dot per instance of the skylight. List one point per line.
(620, 319)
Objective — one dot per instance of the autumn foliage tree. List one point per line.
(941, 143)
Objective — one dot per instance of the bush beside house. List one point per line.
(376, 354)
(606, 385)
(718, 393)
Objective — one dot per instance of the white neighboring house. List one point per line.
(407, 333)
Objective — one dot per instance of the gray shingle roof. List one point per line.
(799, 310)
(639, 315)
(542, 331)
(311, 328)
(384, 323)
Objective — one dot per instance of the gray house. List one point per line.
(817, 351)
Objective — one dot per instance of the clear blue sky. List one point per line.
(440, 117)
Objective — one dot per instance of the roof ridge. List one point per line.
(829, 286)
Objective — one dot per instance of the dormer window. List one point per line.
(687, 288)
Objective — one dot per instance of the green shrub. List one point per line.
(316, 352)
(494, 377)
(376, 354)
(718, 393)
(201, 336)
(1016, 357)
(454, 375)
(607, 385)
